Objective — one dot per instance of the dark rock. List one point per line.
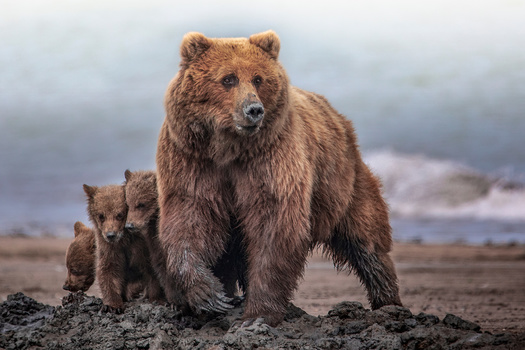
(354, 327)
(427, 319)
(398, 313)
(458, 323)
(21, 313)
(411, 322)
(347, 309)
(396, 326)
(293, 313)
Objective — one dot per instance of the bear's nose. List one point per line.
(65, 287)
(111, 236)
(129, 226)
(254, 112)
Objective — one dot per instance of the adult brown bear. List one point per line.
(240, 142)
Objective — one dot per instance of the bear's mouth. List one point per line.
(247, 129)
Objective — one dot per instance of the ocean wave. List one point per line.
(417, 186)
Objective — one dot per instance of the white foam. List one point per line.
(417, 186)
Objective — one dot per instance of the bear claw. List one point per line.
(220, 304)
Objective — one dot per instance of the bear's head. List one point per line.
(141, 197)
(234, 86)
(107, 210)
(80, 260)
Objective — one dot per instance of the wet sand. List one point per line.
(482, 284)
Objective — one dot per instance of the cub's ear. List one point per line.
(78, 228)
(193, 45)
(267, 41)
(90, 191)
(127, 175)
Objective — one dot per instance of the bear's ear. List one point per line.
(193, 45)
(127, 175)
(90, 191)
(268, 41)
(78, 228)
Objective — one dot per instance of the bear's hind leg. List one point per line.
(374, 269)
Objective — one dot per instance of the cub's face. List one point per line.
(234, 85)
(107, 210)
(141, 198)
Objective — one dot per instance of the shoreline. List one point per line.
(483, 284)
(418, 230)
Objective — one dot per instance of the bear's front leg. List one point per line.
(277, 239)
(140, 259)
(111, 277)
(193, 231)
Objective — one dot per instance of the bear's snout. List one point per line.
(111, 236)
(251, 120)
(129, 226)
(254, 112)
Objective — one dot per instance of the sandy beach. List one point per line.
(482, 284)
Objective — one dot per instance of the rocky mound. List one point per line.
(79, 324)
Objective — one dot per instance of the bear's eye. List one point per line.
(101, 217)
(229, 81)
(141, 206)
(257, 81)
(120, 216)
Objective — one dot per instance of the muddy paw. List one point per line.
(208, 297)
(218, 303)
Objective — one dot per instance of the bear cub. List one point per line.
(143, 212)
(80, 259)
(122, 257)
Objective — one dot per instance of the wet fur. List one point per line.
(122, 266)
(80, 259)
(296, 182)
(143, 210)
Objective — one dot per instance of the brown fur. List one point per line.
(122, 256)
(80, 259)
(292, 180)
(143, 211)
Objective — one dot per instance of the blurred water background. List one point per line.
(436, 91)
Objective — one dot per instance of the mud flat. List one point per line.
(480, 284)
(79, 323)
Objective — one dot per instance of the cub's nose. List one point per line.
(254, 112)
(65, 287)
(129, 226)
(111, 236)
